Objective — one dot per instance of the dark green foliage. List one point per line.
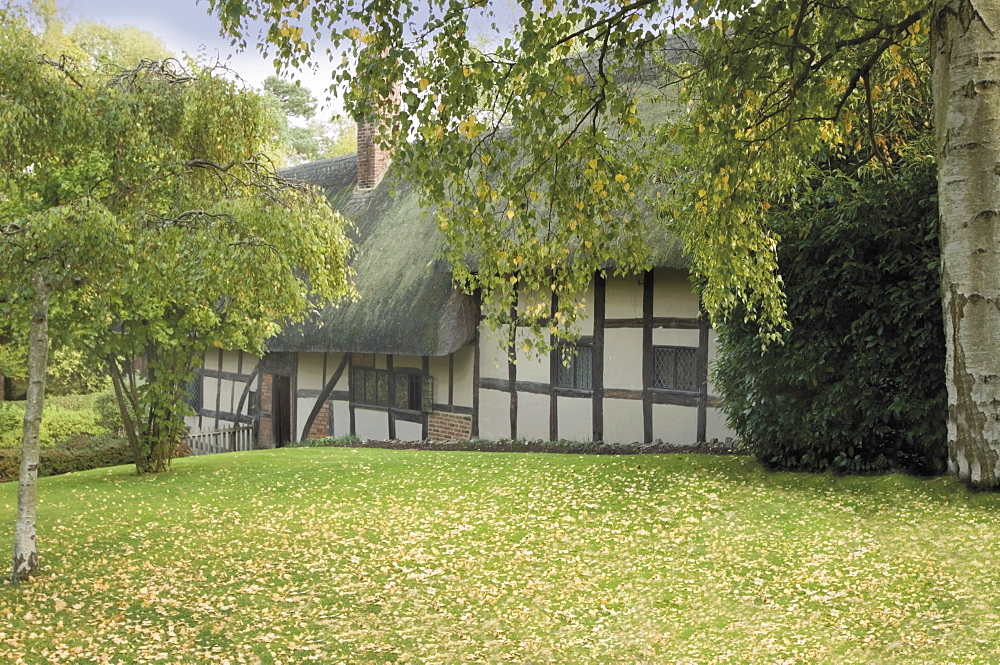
(78, 453)
(858, 385)
(58, 424)
(109, 416)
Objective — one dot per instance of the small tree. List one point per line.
(137, 200)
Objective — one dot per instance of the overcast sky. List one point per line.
(185, 26)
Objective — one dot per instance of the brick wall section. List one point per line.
(321, 426)
(442, 426)
(265, 426)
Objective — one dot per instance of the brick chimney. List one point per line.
(373, 159)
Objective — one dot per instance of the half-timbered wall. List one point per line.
(648, 349)
(642, 374)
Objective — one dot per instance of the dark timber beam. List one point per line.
(597, 357)
(324, 394)
(647, 356)
(701, 368)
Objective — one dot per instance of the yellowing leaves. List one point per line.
(470, 127)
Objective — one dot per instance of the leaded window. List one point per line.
(412, 391)
(194, 397)
(675, 368)
(576, 363)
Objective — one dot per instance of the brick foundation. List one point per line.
(442, 426)
(321, 426)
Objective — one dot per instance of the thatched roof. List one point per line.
(407, 302)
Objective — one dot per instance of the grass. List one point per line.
(334, 555)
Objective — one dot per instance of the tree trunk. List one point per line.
(25, 547)
(965, 52)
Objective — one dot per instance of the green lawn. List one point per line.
(368, 556)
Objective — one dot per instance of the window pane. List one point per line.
(401, 387)
(686, 370)
(413, 392)
(381, 389)
(584, 367)
(577, 374)
(675, 368)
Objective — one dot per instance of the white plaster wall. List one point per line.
(209, 390)
(303, 407)
(576, 420)
(464, 359)
(332, 363)
(439, 372)
(675, 424)
(231, 361)
(532, 416)
(531, 367)
(381, 361)
(493, 358)
(250, 362)
(407, 431)
(341, 418)
(716, 425)
(623, 420)
(310, 371)
(623, 358)
(672, 294)
(623, 298)
(672, 337)
(494, 414)
(416, 362)
(371, 424)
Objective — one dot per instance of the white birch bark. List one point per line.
(965, 52)
(25, 547)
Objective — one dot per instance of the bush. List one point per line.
(78, 453)
(58, 424)
(858, 385)
(109, 416)
(346, 439)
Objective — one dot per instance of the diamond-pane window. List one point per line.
(577, 374)
(194, 398)
(675, 368)
(412, 391)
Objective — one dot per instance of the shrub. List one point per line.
(346, 439)
(78, 453)
(109, 416)
(858, 385)
(58, 424)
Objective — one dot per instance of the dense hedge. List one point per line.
(858, 385)
(58, 424)
(79, 453)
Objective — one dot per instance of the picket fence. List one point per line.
(228, 440)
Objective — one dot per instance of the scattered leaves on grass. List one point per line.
(369, 556)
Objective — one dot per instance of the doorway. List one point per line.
(281, 410)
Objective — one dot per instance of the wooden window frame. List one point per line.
(582, 343)
(672, 388)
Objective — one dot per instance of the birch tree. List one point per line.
(533, 151)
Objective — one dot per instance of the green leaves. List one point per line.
(858, 385)
(144, 196)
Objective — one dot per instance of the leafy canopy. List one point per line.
(155, 219)
(551, 153)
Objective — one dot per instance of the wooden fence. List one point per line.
(229, 440)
